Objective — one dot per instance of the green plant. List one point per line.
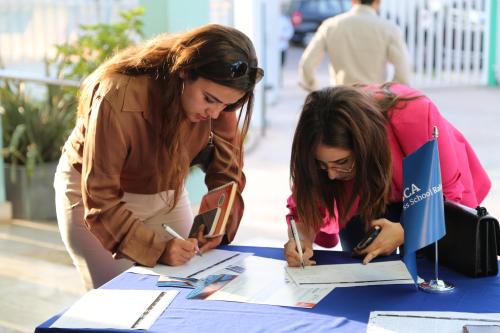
(35, 124)
(33, 130)
(96, 44)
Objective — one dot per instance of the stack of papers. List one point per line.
(239, 277)
(262, 281)
(170, 281)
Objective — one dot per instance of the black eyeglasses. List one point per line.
(340, 169)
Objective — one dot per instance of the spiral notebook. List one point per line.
(113, 308)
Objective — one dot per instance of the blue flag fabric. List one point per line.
(423, 207)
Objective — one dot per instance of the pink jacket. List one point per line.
(463, 177)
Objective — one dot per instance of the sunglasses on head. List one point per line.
(237, 69)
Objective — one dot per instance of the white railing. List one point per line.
(30, 28)
(448, 40)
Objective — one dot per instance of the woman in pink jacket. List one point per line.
(346, 166)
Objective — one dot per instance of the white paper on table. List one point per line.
(351, 275)
(265, 281)
(114, 308)
(427, 321)
(198, 267)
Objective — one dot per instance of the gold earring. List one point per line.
(182, 87)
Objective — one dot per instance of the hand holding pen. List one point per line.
(179, 250)
(174, 234)
(296, 237)
(297, 248)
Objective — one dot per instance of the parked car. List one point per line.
(307, 15)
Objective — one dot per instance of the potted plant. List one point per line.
(36, 122)
(33, 133)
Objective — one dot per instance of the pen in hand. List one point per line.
(297, 240)
(174, 234)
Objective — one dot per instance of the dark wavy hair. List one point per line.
(194, 52)
(352, 118)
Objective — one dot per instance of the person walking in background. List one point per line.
(143, 116)
(347, 160)
(359, 45)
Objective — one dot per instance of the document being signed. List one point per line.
(264, 281)
(197, 267)
(351, 275)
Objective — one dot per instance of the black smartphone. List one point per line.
(208, 219)
(368, 238)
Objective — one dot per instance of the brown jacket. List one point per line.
(115, 146)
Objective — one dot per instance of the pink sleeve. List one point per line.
(327, 236)
(464, 179)
(453, 186)
(292, 209)
(413, 126)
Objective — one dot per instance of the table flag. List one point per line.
(423, 208)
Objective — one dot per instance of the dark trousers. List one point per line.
(354, 231)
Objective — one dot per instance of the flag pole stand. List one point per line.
(436, 285)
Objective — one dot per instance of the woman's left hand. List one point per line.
(205, 243)
(391, 236)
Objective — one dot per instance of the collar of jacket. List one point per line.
(142, 95)
(363, 9)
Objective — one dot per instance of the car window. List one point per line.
(346, 5)
(325, 7)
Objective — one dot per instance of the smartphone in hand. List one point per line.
(209, 219)
(368, 238)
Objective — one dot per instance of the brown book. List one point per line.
(215, 209)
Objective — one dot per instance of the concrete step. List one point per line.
(37, 278)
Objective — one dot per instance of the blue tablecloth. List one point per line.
(344, 309)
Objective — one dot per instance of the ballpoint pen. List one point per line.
(174, 234)
(297, 240)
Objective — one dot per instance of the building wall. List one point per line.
(173, 15)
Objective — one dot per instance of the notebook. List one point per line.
(114, 308)
(215, 208)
